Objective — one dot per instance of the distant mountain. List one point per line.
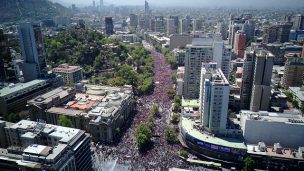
(16, 10)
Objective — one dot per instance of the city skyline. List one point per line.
(194, 3)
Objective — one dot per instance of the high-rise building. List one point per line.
(233, 28)
(239, 44)
(214, 98)
(171, 29)
(293, 72)
(197, 25)
(261, 89)
(109, 25)
(176, 23)
(203, 50)
(298, 23)
(184, 26)
(7, 71)
(249, 29)
(247, 77)
(159, 24)
(277, 33)
(133, 20)
(223, 29)
(147, 7)
(33, 52)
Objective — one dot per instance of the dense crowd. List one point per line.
(162, 155)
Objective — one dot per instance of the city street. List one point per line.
(162, 155)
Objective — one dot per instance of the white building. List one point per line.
(70, 74)
(180, 80)
(203, 50)
(286, 129)
(214, 98)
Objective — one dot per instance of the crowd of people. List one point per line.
(162, 155)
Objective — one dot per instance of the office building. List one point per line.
(180, 80)
(159, 24)
(296, 35)
(214, 98)
(197, 25)
(33, 52)
(171, 29)
(109, 26)
(298, 23)
(277, 33)
(203, 50)
(176, 23)
(261, 88)
(14, 97)
(133, 20)
(38, 105)
(293, 72)
(278, 50)
(247, 76)
(70, 74)
(7, 68)
(249, 29)
(223, 29)
(102, 111)
(239, 44)
(185, 26)
(272, 128)
(298, 95)
(233, 28)
(33, 145)
(179, 41)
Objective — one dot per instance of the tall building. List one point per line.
(159, 24)
(33, 52)
(247, 77)
(109, 25)
(197, 25)
(223, 29)
(147, 7)
(133, 20)
(239, 44)
(70, 74)
(7, 71)
(30, 145)
(184, 26)
(249, 29)
(277, 33)
(203, 50)
(233, 28)
(298, 23)
(171, 29)
(293, 72)
(176, 23)
(214, 98)
(261, 89)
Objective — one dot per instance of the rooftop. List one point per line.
(60, 92)
(273, 117)
(188, 126)
(66, 68)
(189, 102)
(63, 134)
(13, 88)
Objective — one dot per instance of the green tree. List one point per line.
(155, 110)
(143, 137)
(175, 118)
(64, 121)
(289, 96)
(171, 92)
(184, 153)
(170, 135)
(249, 164)
(295, 103)
(12, 117)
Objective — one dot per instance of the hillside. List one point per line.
(16, 10)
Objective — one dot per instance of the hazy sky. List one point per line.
(213, 3)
